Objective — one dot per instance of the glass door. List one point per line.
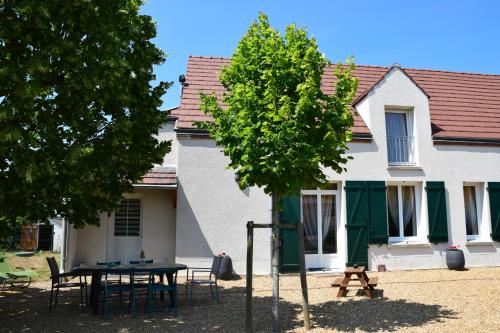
(319, 215)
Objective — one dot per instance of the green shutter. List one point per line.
(290, 214)
(357, 222)
(436, 208)
(377, 200)
(494, 194)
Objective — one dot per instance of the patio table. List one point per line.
(98, 271)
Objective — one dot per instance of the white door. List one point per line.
(124, 242)
(320, 215)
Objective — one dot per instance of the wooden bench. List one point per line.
(372, 282)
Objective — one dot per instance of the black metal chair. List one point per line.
(211, 280)
(154, 287)
(58, 283)
(110, 288)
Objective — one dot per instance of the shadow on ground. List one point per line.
(27, 310)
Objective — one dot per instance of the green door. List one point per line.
(289, 252)
(357, 222)
(494, 194)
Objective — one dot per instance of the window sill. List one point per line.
(405, 244)
(478, 242)
(404, 167)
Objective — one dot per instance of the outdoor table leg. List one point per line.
(162, 293)
(363, 279)
(95, 289)
(170, 279)
(344, 284)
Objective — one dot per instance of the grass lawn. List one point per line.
(37, 262)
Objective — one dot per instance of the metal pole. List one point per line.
(249, 321)
(303, 278)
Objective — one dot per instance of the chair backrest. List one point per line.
(215, 266)
(137, 262)
(102, 263)
(54, 269)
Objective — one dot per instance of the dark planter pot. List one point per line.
(226, 268)
(455, 260)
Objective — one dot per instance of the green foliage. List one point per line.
(77, 108)
(276, 125)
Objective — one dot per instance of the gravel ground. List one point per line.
(406, 301)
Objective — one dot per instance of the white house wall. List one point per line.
(157, 229)
(212, 211)
(166, 133)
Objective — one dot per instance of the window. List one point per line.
(128, 218)
(400, 150)
(471, 218)
(320, 221)
(401, 211)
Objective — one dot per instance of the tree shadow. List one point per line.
(27, 309)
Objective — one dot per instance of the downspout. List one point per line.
(64, 247)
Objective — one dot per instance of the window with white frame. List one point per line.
(128, 218)
(471, 211)
(401, 212)
(400, 140)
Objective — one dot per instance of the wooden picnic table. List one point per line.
(355, 274)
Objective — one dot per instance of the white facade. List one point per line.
(207, 213)
(212, 211)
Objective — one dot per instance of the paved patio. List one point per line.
(407, 301)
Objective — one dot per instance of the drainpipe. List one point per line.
(64, 247)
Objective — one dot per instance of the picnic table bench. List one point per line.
(355, 274)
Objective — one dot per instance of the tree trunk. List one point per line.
(275, 265)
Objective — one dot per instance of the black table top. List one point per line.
(132, 267)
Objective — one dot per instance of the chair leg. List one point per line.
(106, 305)
(57, 298)
(148, 302)
(217, 293)
(191, 295)
(81, 297)
(211, 291)
(51, 296)
(173, 303)
(132, 303)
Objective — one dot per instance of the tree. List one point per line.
(77, 108)
(277, 126)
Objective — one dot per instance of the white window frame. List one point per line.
(418, 204)
(482, 209)
(412, 160)
(318, 193)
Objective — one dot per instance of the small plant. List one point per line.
(454, 248)
(142, 255)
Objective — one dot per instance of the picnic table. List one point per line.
(98, 271)
(355, 274)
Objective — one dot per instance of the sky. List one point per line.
(429, 34)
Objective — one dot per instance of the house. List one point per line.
(425, 174)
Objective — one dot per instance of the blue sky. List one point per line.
(447, 35)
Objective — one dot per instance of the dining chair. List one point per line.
(110, 288)
(57, 282)
(113, 278)
(154, 287)
(211, 280)
(141, 278)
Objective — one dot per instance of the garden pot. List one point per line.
(226, 268)
(455, 260)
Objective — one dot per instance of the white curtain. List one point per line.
(328, 215)
(310, 216)
(470, 210)
(409, 215)
(397, 134)
(393, 211)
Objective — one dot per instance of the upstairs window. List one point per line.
(400, 146)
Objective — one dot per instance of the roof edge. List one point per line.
(466, 141)
(370, 88)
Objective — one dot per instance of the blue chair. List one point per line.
(154, 287)
(110, 288)
(113, 278)
(211, 280)
(141, 278)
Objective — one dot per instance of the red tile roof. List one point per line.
(159, 177)
(462, 105)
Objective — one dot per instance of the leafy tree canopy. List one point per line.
(78, 112)
(276, 124)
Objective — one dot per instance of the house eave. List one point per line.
(465, 141)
